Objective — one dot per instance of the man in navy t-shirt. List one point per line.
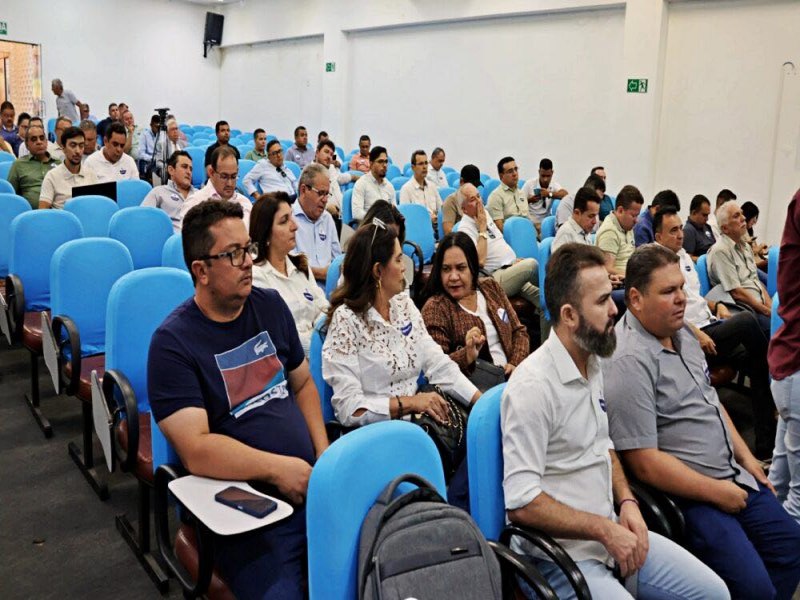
(230, 388)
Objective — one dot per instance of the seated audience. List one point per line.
(541, 191)
(51, 147)
(56, 150)
(173, 143)
(760, 251)
(451, 207)
(732, 267)
(113, 116)
(561, 473)
(471, 318)
(9, 132)
(495, 256)
(615, 236)
(607, 203)
(301, 153)
(360, 161)
(147, 146)
(86, 113)
(697, 234)
(270, 175)
(90, 138)
(567, 204)
(326, 151)
(377, 345)
(66, 101)
(111, 163)
(134, 132)
(58, 182)
(170, 197)
(578, 229)
(222, 175)
(418, 190)
(273, 228)
(507, 200)
(259, 152)
(316, 232)
(726, 338)
(724, 196)
(387, 213)
(674, 434)
(321, 137)
(223, 133)
(435, 176)
(643, 230)
(23, 121)
(374, 185)
(28, 173)
(232, 351)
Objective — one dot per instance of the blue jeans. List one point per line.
(785, 471)
(756, 551)
(668, 573)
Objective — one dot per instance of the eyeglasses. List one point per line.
(236, 255)
(227, 176)
(381, 161)
(275, 153)
(320, 193)
(378, 225)
(421, 164)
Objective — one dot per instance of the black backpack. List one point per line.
(418, 546)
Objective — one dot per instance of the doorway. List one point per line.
(21, 76)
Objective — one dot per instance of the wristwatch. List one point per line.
(484, 235)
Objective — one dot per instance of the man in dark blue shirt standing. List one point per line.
(230, 388)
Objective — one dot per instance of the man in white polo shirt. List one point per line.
(59, 181)
(111, 163)
(373, 186)
(418, 190)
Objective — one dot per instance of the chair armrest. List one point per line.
(114, 383)
(512, 563)
(15, 298)
(660, 511)
(419, 263)
(556, 553)
(74, 341)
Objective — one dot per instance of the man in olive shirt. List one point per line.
(27, 173)
(507, 200)
(615, 236)
(259, 152)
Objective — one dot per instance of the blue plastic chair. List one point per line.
(545, 249)
(340, 153)
(775, 320)
(332, 277)
(488, 188)
(245, 166)
(172, 253)
(347, 207)
(453, 179)
(7, 188)
(198, 163)
(549, 227)
(448, 169)
(315, 365)
(407, 170)
(485, 178)
(554, 207)
(94, 213)
(702, 274)
(399, 182)
(143, 230)
(344, 484)
(11, 205)
(445, 192)
(7, 157)
(393, 171)
(520, 234)
(440, 223)
(418, 230)
(772, 270)
(293, 167)
(131, 192)
(5, 167)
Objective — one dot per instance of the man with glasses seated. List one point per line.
(222, 174)
(507, 200)
(418, 190)
(316, 231)
(231, 389)
(373, 186)
(270, 175)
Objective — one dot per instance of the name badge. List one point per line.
(708, 234)
(602, 404)
(503, 314)
(322, 236)
(706, 372)
(307, 295)
(122, 171)
(406, 329)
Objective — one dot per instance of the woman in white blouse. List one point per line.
(273, 228)
(377, 344)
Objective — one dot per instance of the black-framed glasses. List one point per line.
(236, 255)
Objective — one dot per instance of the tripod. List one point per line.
(162, 134)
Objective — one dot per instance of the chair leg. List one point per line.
(139, 541)
(85, 460)
(32, 399)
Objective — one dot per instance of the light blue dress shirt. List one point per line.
(270, 179)
(318, 239)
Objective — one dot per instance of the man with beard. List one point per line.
(373, 186)
(561, 474)
(674, 434)
(58, 183)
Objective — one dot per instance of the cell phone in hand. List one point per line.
(247, 502)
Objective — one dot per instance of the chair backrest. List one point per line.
(485, 463)
(545, 249)
(324, 390)
(702, 274)
(198, 163)
(554, 207)
(453, 179)
(35, 236)
(332, 276)
(407, 170)
(399, 181)
(137, 304)
(485, 178)
(245, 166)
(94, 213)
(549, 227)
(345, 483)
(7, 157)
(520, 234)
(6, 187)
(445, 192)
(4, 169)
(440, 223)
(293, 167)
(419, 229)
(489, 187)
(775, 320)
(393, 171)
(143, 230)
(172, 253)
(772, 269)
(11, 205)
(131, 192)
(82, 273)
(347, 207)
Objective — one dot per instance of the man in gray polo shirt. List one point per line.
(561, 474)
(672, 433)
(170, 197)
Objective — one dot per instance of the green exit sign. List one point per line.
(637, 86)
(3, 28)
(330, 67)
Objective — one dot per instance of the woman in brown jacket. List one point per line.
(468, 317)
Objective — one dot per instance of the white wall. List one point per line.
(147, 53)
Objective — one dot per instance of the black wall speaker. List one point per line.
(213, 34)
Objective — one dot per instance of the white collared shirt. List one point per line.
(437, 179)
(697, 312)
(556, 441)
(498, 252)
(300, 292)
(428, 196)
(539, 210)
(210, 193)
(367, 361)
(367, 191)
(124, 168)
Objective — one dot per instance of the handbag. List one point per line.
(486, 375)
(450, 438)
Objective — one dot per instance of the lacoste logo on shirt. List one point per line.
(260, 347)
